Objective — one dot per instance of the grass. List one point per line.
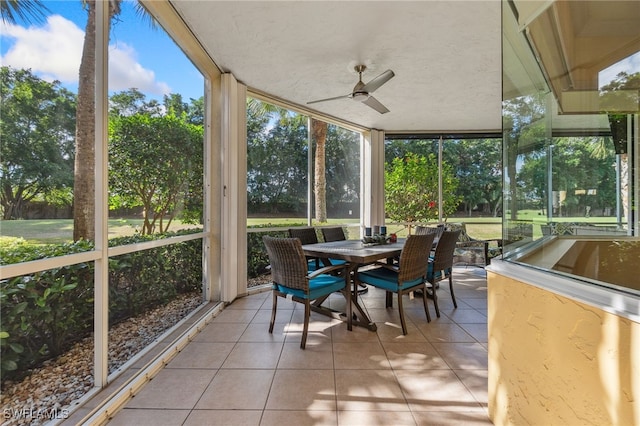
(55, 231)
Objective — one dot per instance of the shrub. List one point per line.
(257, 258)
(45, 313)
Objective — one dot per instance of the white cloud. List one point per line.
(630, 65)
(125, 72)
(53, 52)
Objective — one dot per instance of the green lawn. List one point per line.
(51, 231)
(54, 231)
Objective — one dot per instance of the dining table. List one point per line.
(357, 254)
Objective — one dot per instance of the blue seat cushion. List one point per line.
(438, 274)
(386, 279)
(319, 286)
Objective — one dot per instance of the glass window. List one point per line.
(155, 148)
(48, 198)
(471, 182)
(288, 186)
(570, 120)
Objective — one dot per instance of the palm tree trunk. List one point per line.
(84, 167)
(319, 135)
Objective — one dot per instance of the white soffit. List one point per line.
(445, 54)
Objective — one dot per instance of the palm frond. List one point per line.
(26, 10)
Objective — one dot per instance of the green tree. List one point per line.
(342, 168)
(132, 101)
(37, 126)
(276, 163)
(477, 165)
(623, 90)
(155, 162)
(411, 189)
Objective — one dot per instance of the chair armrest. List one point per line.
(326, 270)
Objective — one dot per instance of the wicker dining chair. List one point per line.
(407, 276)
(438, 230)
(309, 235)
(441, 265)
(291, 279)
(333, 234)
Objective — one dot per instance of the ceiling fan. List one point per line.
(362, 92)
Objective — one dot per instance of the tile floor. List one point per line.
(235, 373)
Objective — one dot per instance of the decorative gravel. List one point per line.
(48, 392)
(50, 389)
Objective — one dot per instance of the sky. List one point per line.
(139, 56)
(630, 65)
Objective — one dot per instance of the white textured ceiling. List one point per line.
(445, 55)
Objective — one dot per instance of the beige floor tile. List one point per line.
(477, 331)
(445, 303)
(479, 303)
(259, 332)
(318, 332)
(236, 315)
(469, 316)
(263, 316)
(420, 319)
(314, 356)
(357, 334)
(385, 314)
(173, 388)
(254, 355)
(299, 418)
(478, 384)
(445, 332)
(233, 369)
(302, 390)
(360, 356)
(224, 417)
(436, 390)
(370, 390)
(237, 390)
(451, 418)
(463, 356)
(413, 356)
(150, 417)
(375, 418)
(392, 332)
(221, 332)
(202, 355)
(250, 302)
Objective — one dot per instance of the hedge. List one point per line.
(45, 313)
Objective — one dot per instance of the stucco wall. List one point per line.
(556, 361)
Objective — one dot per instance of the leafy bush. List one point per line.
(45, 313)
(257, 258)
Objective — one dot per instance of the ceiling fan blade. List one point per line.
(378, 81)
(375, 104)
(329, 99)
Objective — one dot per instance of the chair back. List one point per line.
(305, 235)
(437, 230)
(443, 258)
(288, 263)
(414, 257)
(462, 227)
(333, 234)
